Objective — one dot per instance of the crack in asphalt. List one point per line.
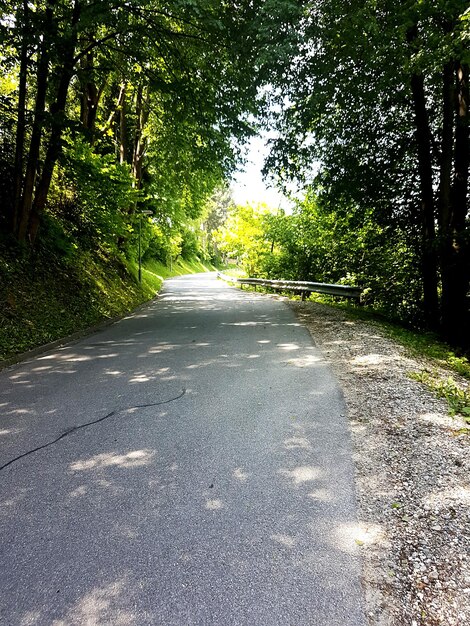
(74, 429)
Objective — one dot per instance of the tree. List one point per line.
(215, 214)
(182, 59)
(378, 93)
(243, 236)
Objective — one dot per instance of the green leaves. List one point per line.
(457, 395)
(356, 96)
(101, 191)
(243, 236)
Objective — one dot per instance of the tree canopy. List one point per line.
(110, 106)
(377, 93)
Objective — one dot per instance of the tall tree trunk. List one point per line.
(112, 116)
(58, 121)
(21, 118)
(123, 156)
(428, 253)
(90, 95)
(140, 142)
(447, 147)
(462, 156)
(427, 215)
(26, 203)
(456, 254)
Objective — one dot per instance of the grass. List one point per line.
(429, 346)
(47, 298)
(458, 398)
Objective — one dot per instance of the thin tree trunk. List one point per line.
(38, 123)
(113, 114)
(123, 129)
(58, 115)
(445, 178)
(140, 143)
(456, 258)
(21, 118)
(429, 260)
(136, 163)
(90, 96)
(462, 156)
(427, 216)
(93, 95)
(83, 93)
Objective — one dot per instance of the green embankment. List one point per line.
(45, 298)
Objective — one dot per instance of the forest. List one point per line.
(122, 122)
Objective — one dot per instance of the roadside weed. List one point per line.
(458, 398)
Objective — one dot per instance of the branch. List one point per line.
(120, 100)
(94, 44)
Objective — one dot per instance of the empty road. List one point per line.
(189, 465)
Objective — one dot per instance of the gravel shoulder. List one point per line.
(412, 475)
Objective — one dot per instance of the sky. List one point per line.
(248, 185)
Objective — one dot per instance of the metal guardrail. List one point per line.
(304, 287)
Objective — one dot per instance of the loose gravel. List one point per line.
(412, 475)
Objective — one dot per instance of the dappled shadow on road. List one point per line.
(172, 542)
(160, 509)
(140, 357)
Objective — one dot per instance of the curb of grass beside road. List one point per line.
(72, 338)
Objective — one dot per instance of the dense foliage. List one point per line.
(111, 108)
(319, 244)
(118, 122)
(376, 94)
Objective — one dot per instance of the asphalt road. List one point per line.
(187, 465)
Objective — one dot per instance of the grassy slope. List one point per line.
(46, 298)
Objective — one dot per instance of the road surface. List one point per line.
(189, 465)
